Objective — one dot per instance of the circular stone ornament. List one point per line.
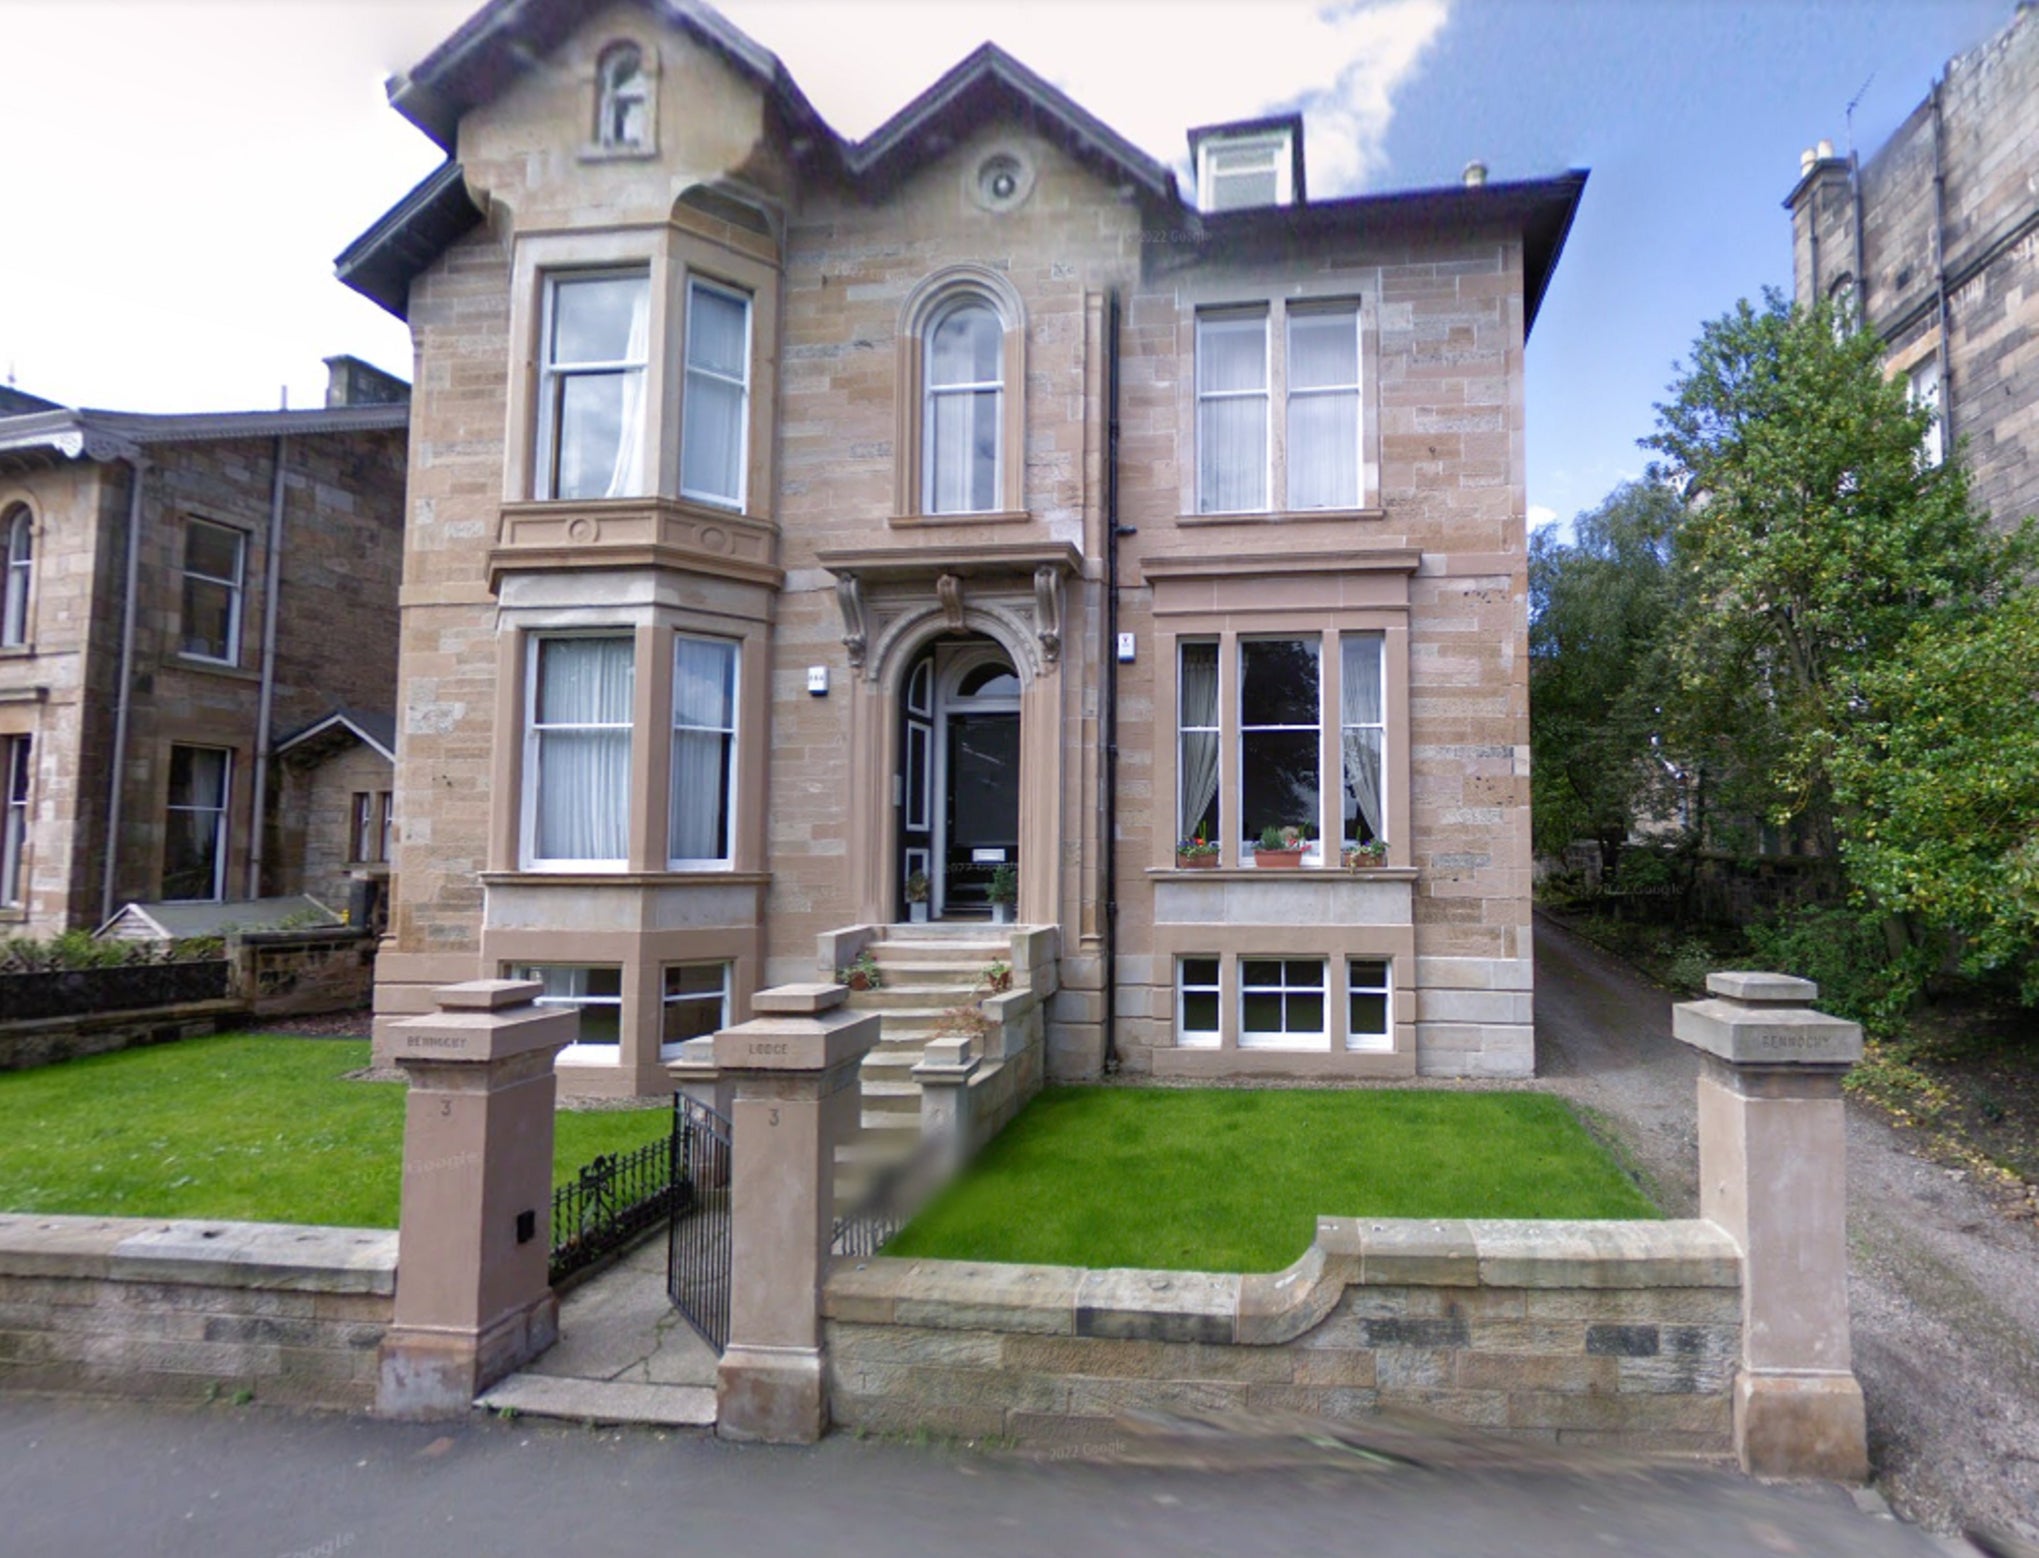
(1002, 180)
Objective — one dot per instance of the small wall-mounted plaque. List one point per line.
(1125, 649)
(817, 680)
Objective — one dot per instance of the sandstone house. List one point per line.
(794, 521)
(184, 595)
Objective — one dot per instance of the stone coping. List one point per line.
(201, 1252)
(1276, 1307)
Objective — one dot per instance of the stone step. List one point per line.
(602, 1401)
(939, 951)
(914, 997)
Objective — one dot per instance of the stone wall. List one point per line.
(193, 1310)
(287, 973)
(1621, 1334)
(46, 1040)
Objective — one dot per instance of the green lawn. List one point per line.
(240, 1126)
(1233, 1180)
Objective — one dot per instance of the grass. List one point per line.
(1234, 1180)
(238, 1126)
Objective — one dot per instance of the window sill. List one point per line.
(17, 651)
(595, 153)
(226, 668)
(1283, 517)
(1290, 874)
(532, 877)
(993, 517)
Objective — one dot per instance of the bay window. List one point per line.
(596, 342)
(1198, 992)
(1369, 994)
(696, 1004)
(715, 402)
(1281, 1004)
(577, 751)
(703, 785)
(1279, 725)
(1200, 816)
(595, 992)
(1362, 736)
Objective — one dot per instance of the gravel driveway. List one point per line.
(1944, 1287)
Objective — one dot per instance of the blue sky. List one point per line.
(172, 244)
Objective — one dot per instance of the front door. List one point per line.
(962, 755)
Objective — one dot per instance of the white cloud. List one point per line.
(1149, 79)
(1539, 516)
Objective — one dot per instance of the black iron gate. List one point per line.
(697, 1250)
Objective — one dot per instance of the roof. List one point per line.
(176, 921)
(117, 435)
(14, 401)
(507, 37)
(372, 727)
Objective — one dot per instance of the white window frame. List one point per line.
(1381, 726)
(1220, 319)
(726, 859)
(1272, 150)
(220, 815)
(609, 93)
(528, 801)
(1286, 1039)
(577, 1053)
(1217, 731)
(689, 370)
(20, 581)
(16, 777)
(360, 827)
(1187, 1037)
(670, 1050)
(930, 391)
(1248, 847)
(545, 465)
(1370, 1043)
(385, 823)
(1323, 309)
(235, 586)
(1922, 388)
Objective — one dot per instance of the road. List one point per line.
(1943, 1285)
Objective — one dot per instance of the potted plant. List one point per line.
(1281, 848)
(862, 974)
(1003, 893)
(917, 889)
(1372, 853)
(997, 977)
(1198, 853)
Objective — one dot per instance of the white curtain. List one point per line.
(1361, 731)
(1232, 414)
(712, 418)
(1199, 707)
(1323, 453)
(584, 689)
(626, 476)
(704, 718)
(965, 383)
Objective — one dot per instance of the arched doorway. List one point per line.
(959, 758)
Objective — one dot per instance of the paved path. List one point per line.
(83, 1480)
(1944, 1288)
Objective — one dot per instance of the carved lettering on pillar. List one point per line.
(949, 591)
(849, 598)
(1048, 611)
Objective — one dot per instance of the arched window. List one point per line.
(19, 533)
(1846, 303)
(964, 409)
(623, 108)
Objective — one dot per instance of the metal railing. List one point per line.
(697, 1247)
(614, 1199)
(896, 1192)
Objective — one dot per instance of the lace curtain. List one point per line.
(1361, 731)
(583, 728)
(1198, 692)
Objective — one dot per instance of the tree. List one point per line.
(1597, 608)
(1814, 543)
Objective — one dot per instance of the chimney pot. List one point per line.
(1826, 150)
(1806, 159)
(1475, 174)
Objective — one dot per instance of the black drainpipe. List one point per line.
(1111, 682)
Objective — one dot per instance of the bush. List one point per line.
(1843, 951)
(76, 949)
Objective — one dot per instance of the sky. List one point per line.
(181, 174)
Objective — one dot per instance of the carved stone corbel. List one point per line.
(849, 599)
(949, 591)
(1048, 611)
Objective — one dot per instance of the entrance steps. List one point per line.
(602, 1401)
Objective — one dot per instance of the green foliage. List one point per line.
(1235, 1179)
(76, 949)
(246, 1126)
(1845, 951)
(1598, 605)
(1004, 886)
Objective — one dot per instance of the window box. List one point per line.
(1280, 859)
(1207, 862)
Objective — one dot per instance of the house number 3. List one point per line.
(775, 1117)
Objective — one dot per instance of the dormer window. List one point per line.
(1240, 166)
(623, 114)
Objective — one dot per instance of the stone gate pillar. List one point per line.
(1772, 1170)
(792, 1075)
(473, 1298)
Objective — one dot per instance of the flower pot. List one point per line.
(1278, 859)
(1001, 914)
(1362, 862)
(1195, 862)
(917, 913)
(859, 981)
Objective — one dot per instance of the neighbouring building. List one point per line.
(793, 517)
(182, 592)
(1933, 242)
